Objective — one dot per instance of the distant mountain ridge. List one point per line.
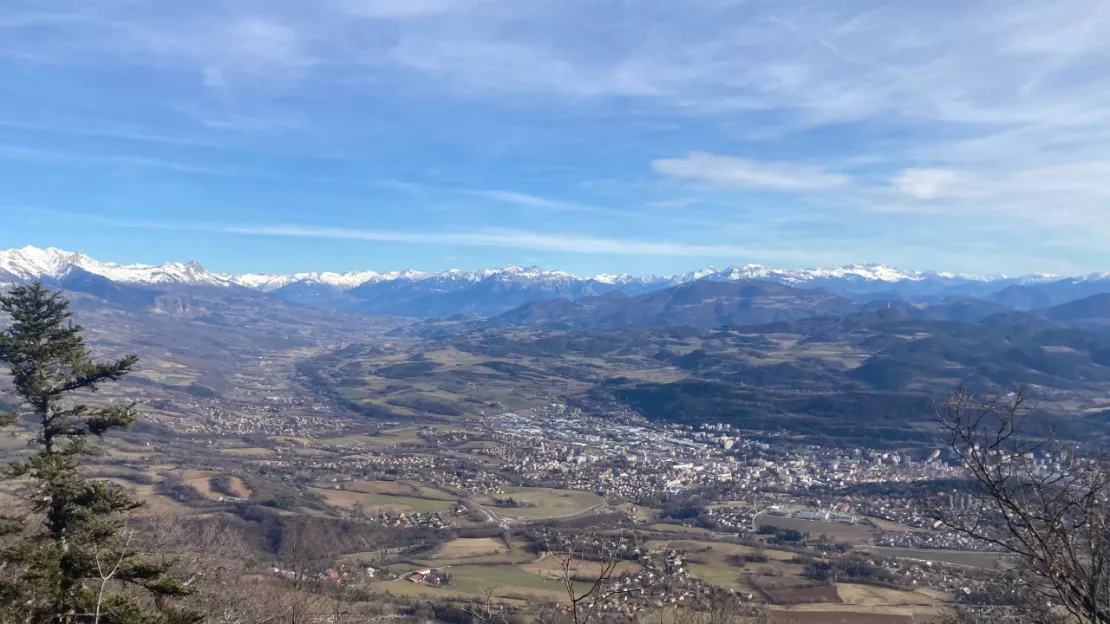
(491, 292)
(700, 303)
(32, 263)
(35, 263)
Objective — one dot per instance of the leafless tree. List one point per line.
(107, 570)
(1003, 601)
(486, 610)
(1035, 500)
(214, 559)
(588, 567)
(716, 608)
(235, 585)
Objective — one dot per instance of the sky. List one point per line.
(641, 136)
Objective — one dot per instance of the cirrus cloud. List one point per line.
(734, 172)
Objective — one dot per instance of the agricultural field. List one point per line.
(955, 557)
(382, 487)
(247, 451)
(802, 595)
(154, 504)
(475, 547)
(847, 614)
(373, 503)
(469, 551)
(201, 481)
(505, 580)
(844, 533)
(549, 568)
(869, 595)
(718, 549)
(665, 527)
(543, 502)
(892, 527)
(710, 562)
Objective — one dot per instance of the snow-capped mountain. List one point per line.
(854, 273)
(268, 283)
(32, 263)
(492, 291)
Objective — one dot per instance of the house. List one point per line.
(428, 576)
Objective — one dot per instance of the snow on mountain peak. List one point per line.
(617, 279)
(868, 272)
(269, 282)
(31, 263)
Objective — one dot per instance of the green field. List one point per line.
(954, 557)
(546, 502)
(344, 499)
(477, 578)
(709, 562)
(177, 381)
(677, 528)
(480, 551)
(846, 533)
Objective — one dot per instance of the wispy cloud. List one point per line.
(994, 112)
(524, 199)
(121, 161)
(114, 132)
(511, 239)
(929, 183)
(675, 203)
(1057, 197)
(497, 238)
(733, 172)
(534, 201)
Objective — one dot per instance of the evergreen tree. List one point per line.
(71, 558)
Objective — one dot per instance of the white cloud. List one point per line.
(526, 240)
(483, 67)
(980, 109)
(512, 239)
(1068, 199)
(1019, 61)
(732, 172)
(534, 201)
(927, 183)
(524, 199)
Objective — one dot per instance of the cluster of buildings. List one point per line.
(413, 520)
(428, 576)
(943, 540)
(636, 461)
(661, 578)
(739, 519)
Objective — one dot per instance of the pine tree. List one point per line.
(71, 558)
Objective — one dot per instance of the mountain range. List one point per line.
(494, 292)
(852, 353)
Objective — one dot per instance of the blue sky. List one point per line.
(587, 135)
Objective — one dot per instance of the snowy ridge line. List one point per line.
(30, 263)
